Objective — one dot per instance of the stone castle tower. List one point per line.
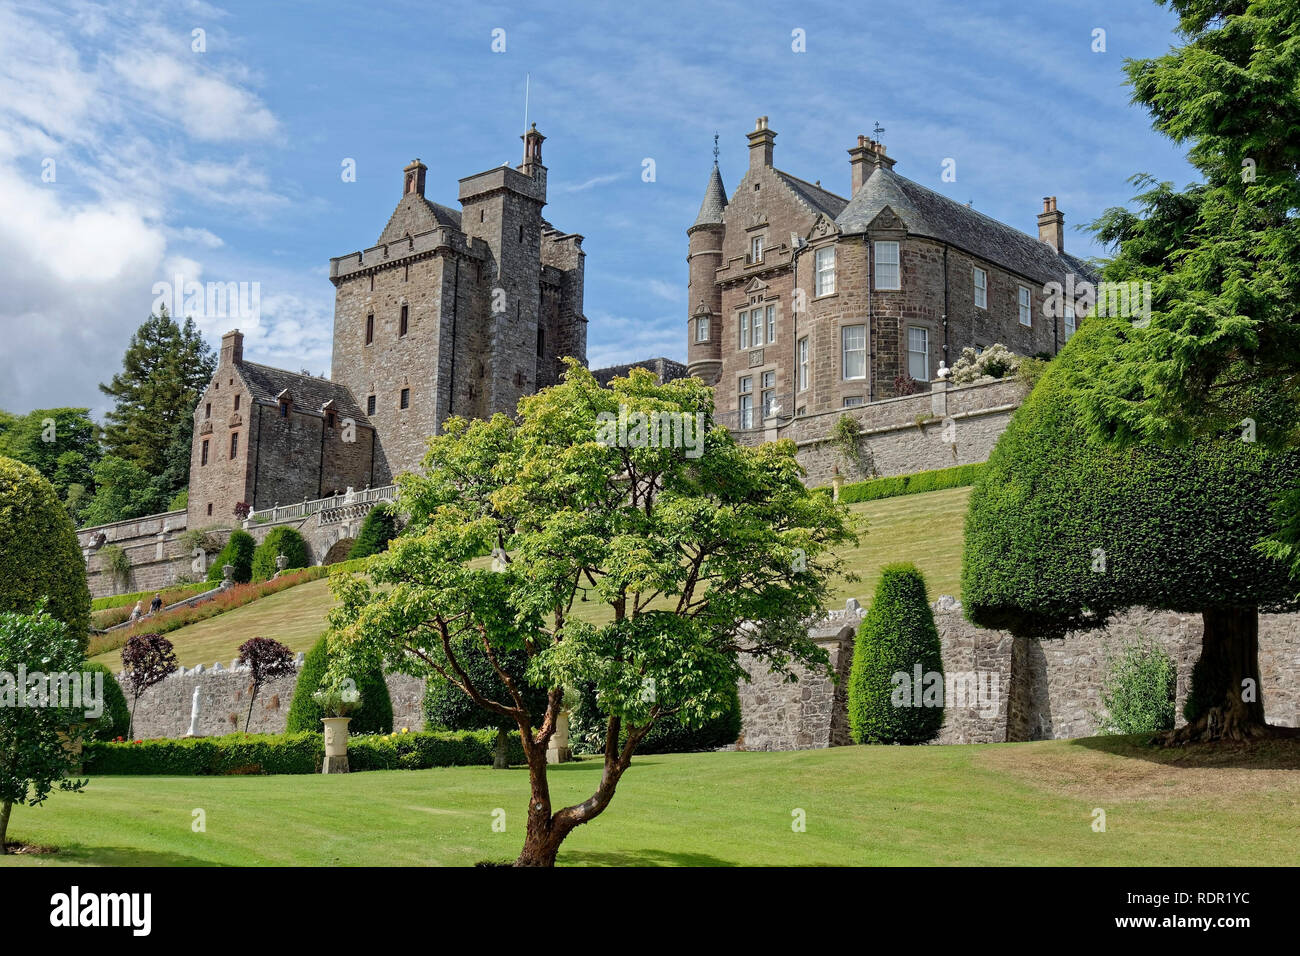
(452, 312)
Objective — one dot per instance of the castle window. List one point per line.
(480, 215)
(405, 400)
(853, 346)
(370, 329)
(769, 393)
(1026, 313)
(521, 233)
(234, 445)
(887, 274)
(744, 330)
(756, 249)
(825, 262)
(771, 324)
(207, 410)
(541, 341)
(330, 419)
(918, 354)
(853, 401)
(756, 326)
(236, 403)
(204, 460)
(1069, 320)
(370, 405)
(747, 402)
(401, 324)
(284, 408)
(803, 363)
(209, 509)
(981, 288)
(702, 329)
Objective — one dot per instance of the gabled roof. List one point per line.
(931, 214)
(309, 393)
(715, 201)
(415, 215)
(812, 195)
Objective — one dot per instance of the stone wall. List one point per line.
(164, 710)
(1032, 690)
(152, 545)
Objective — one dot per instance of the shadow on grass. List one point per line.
(80, 855)
(639, 858)
(1279, 751)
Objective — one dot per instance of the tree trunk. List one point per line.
(501, 753)
(4, 826)
(249, 718)
(1231, 645)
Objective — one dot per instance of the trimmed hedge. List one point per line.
(127, 600)
(916, 483)
(298, 753)
(378, 528)
(286, 541)
(374, 716)
(40, 558)
(115, 721)
(897, 634)
(237, 552)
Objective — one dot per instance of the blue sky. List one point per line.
(224, 165)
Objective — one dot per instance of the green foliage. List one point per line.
(238, 553)
(378, 528)
(166, 367)
(958, 476)
(846, 438)
(115, 721)
(33, 758)
(40, 558)
(181, 501)
(117, 563)
(283, 540)
(446, 706)
(996, 361)
(290, 753)
(374, 716)
(669, 734)
(1138, 692)
(123, 490)
(61, 443)
(1064, 531)
(897, 634)
(128, 600)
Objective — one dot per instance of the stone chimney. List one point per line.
(532, 152)
(232, 348)
(866, 157)
(413, 178)
(1051, 225)
(760, 144)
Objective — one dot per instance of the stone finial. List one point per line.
(852, 606)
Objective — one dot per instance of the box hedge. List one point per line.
(914, 484)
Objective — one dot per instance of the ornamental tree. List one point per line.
(146, 660)
(447, 707)
(1065, 531)
(676, 536)
(34, 756)
(268, 661)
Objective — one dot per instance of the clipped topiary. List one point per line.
(886, 703)
(39, 554)
(286, 541)
(374, 716)
(238, 552)
(379, 527)
(115, 721)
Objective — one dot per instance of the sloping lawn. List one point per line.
(996, 804)
(925, 529)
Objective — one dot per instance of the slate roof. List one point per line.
(308, 392)
(715, 201)
(928, 213)
(820, 200)
(415, 214)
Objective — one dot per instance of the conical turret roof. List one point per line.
(715, 201)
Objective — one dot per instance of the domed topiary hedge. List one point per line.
(379, 527)
(40, 558)
(374, 716)
(238, 553)
(885, 704)
(286, 541)
(115, 721)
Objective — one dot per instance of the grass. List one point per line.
(924, 528)
(991, 804)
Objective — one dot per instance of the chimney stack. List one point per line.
(532, 152)
(413, 178)
(1051, 225)
(867, 156)
(232, 348)
(760, 144)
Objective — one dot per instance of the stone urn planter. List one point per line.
(336, 744)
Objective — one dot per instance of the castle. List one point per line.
(803, 301)
(452, 312)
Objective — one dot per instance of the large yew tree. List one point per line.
(1065, 531)
(676, 549)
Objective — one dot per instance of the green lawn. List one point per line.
(1029, 803)
(925, 529)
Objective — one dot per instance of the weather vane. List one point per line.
(715, 147)
(878, 130)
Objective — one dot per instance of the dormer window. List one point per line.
(285, 400)
(330, 419)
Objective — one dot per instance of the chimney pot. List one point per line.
(1051, 225)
